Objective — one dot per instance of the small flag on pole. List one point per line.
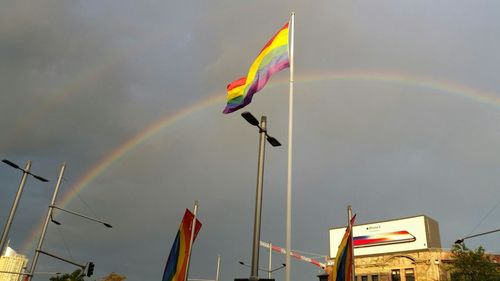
(178, 259)
(342, 269)
(271, 59)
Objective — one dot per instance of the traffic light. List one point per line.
(90, 269)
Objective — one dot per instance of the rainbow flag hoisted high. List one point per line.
(271, 59)
(342, 270)
(178, 259)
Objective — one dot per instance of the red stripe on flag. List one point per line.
(272, 39)
(236, 83)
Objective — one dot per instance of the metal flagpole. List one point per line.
(289, 177)
(193, 227)
(270, 260)
(218, 268)
(349, 218)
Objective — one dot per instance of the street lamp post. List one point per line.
(260, 179)
(44, 229)
(8, 223)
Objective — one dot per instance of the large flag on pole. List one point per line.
(342, 269)
(178, 259)
(271, 59)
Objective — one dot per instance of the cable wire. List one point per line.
(88, 206)
(64, 242)
(481, 221)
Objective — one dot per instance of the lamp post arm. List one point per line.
(81, 215)
(278, 268)
(475, 235)
(63, 259)
(262, 269)
(484, 233)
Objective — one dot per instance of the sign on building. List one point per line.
(406, 234)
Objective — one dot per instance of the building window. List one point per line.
(395, 275)
(374, 277)
(409, 274)
(364, 278)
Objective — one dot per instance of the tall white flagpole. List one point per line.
(349, 219)
(289, 177)
(193, 227)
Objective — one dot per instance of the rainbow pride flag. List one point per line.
(271, 59)
(178, 259)
(342, 269)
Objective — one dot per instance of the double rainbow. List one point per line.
(438, 86)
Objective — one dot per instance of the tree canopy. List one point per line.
(472, 265)
(78, 276)
(114, 277)
(75, 276)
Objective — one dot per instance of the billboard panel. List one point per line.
(386, 237)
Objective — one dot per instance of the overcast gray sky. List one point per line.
(397, 113)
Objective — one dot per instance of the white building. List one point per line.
(12, 262)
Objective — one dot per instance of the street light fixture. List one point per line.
(250, 118)
(79, 215)
(8, 223)
(459, 241)
(15, 166)
(274, 142)
(54, 221)
(260, 179)
(254, 122)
